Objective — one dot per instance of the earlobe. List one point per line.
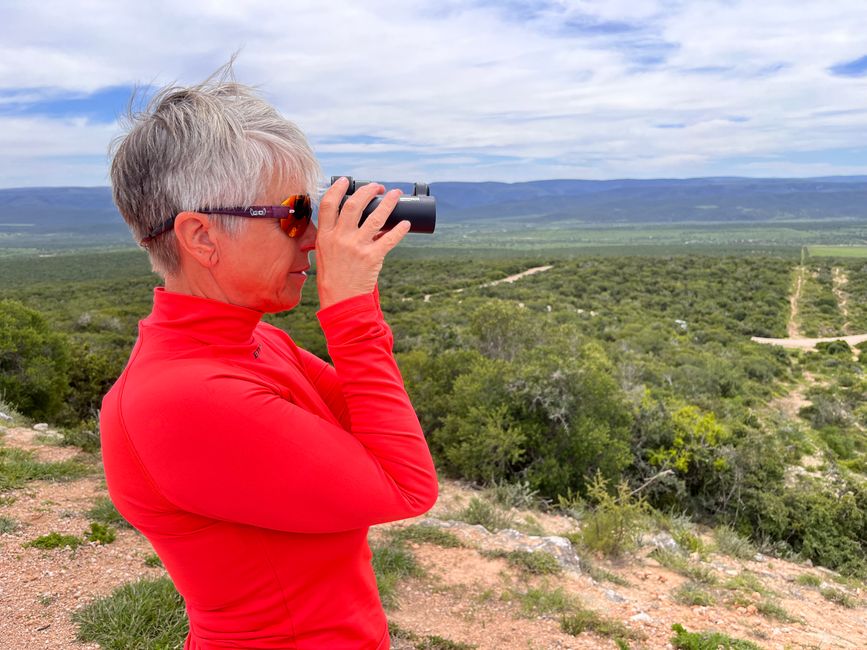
(194, 234)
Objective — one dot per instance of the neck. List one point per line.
(199, 284)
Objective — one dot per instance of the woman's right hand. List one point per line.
(348, 257)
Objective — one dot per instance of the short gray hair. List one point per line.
(214, 145)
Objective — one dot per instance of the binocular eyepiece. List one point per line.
(419, 208)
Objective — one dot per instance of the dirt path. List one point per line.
(795, 339)
(794, 331)
(840, 279)
(809, 344)
(509, 279)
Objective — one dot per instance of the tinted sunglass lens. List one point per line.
(295, 225)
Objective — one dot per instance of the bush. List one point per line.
(693, 594)
(547, 420)
(834, 347)
(55, 540)
(84, 435)
(35, 362)
(535, 562)
(585, 620)
(728, 542)
(684, 640)
(482, 513)
(100, 533)
(541, 601)
(615, 524)
(838, 597)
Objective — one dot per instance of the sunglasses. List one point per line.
(294, 215)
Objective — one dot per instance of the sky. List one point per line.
(454, 90)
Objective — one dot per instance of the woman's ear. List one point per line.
(194, 233)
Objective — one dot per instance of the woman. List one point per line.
(253, 467)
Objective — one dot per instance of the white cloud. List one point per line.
(569, 89)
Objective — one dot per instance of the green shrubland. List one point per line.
(624, 368)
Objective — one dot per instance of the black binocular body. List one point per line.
(419, 208)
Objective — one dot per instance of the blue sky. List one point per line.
(459, 89)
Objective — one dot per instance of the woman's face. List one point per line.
(262, 268)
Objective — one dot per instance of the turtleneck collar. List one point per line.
(209, 321)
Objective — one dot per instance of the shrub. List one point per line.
(692, 594)
(684, 640)
(55, 540)
(585, 620)
(535, 562)
(834, 347)
(8, 525)
(84, 435)
(774, 610)
(679, 564)
(100, 533)
(541, 417)
(728, 542)
(808, 580)
(483, 513)
(542, 601)
(749, 582)
(35, 362)
(616, 522)
(515, 495)
(838, 597)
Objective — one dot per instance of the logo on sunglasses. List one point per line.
(257, 213)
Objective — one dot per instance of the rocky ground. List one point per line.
(467, 594)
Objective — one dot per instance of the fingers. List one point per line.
(390, 239)
(376, 220)
(350, 213)
(329, 204)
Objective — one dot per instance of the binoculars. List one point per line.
(419, 208)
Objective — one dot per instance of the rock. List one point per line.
(641, 617)
(42, 426)
(614, 597)
(3, 416)
(663, 541)
(758, 557)
(512, 540)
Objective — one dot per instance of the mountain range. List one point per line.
(83, 210)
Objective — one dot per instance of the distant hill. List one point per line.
(657, 201)
(84, 212)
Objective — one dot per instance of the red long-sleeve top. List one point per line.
(255, 468)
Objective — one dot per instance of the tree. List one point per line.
(34, 362)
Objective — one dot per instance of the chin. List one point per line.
(283, 304)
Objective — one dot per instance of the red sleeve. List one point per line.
(255, 458)
(323, 376)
